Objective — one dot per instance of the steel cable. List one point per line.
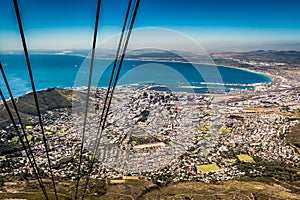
(30, 154)
(88, 93)
(20, 25)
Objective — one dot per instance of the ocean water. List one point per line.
(68, 71)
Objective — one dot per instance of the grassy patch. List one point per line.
(226, 130)
(15, 139)
(208, 168)
(63, 133)
(29, 138)
(205, 128)
(245, 158)
(48, 132)
(158, 135)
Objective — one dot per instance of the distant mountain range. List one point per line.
(288, 57)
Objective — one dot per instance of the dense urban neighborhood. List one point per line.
(168, 137)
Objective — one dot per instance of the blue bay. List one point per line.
(68, 71)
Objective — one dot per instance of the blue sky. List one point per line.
(216, 24)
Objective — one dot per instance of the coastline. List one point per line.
(151, 60)
(209, 64)
(146, 60)
(252, 71)
(201, 63)
(203, 84)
